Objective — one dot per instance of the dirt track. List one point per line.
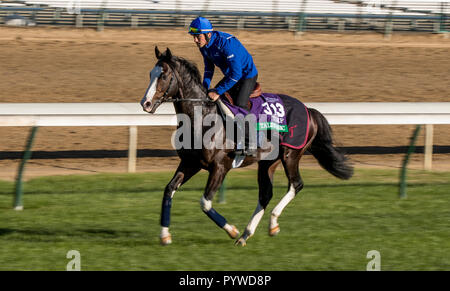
(66, 65)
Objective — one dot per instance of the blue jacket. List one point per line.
(226, 51)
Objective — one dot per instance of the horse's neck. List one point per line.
(196, 111)
(189, 107)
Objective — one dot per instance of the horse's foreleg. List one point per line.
(215, 180)
(266, 170)
(180, 177)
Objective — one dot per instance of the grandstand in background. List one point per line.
(293, 15)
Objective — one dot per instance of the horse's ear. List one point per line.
(157, 53)
(168, 53)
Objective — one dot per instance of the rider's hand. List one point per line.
(213, 95)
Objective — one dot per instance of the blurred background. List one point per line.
(415, 15)
(314, 50)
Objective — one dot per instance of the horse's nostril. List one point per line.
(146, 105)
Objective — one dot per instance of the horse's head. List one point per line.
(163, 82)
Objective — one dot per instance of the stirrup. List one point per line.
(246, 152)
(251, 152)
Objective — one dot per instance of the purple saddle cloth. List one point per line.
(282, 113)
(268, 109)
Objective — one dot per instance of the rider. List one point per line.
(226, 52)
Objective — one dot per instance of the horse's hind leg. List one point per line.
(215, 180)
(266, 169)
(290, 160)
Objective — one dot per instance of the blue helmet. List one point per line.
(200, 25)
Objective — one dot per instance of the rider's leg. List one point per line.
(241, 94)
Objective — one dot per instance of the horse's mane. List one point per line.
(188, 71)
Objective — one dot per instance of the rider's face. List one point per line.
(200, 40)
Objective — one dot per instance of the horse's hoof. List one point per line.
(273, 231)
(241, 242)
(234, 233)
(167, 240)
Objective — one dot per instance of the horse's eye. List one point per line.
(164, 77)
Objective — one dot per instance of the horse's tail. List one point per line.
(322, 148)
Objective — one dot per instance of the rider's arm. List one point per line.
(209, 72)
(235, 69)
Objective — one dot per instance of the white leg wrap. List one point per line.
(164, 231)
(276, 212)
(228, 227)
(254, 221)
(206, 205)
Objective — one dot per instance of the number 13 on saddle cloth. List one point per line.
(278, 112)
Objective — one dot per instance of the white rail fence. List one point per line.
(131, 115)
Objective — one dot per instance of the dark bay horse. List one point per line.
(178, 80)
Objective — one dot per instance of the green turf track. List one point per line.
(113, 221)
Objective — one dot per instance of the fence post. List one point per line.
(341, 25)
(18, 198)
(101, 20)
(79, 20)
(388, 27)
(240, 23)
(442, 28)
(56, 15)
(301, 19)
(428, 149)
(132, 149)
(300, 24)
(406, 160)
(134, 21)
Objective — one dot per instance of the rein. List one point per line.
(189, 100)
(180, 89)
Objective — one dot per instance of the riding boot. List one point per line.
(250, 149)
(241, 149)
(247, 148)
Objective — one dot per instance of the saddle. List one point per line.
(255, 93)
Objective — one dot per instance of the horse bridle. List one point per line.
(175, 75)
